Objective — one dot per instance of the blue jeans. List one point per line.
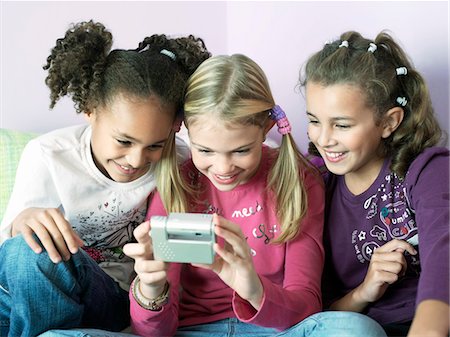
(323, 324)
(85, 333)
(37, 295)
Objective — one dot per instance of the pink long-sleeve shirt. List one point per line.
(290, 272)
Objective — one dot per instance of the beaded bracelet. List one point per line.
(150, 304)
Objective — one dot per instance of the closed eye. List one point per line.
(243, 151)
(155, 147)
(343, 126)
(311, 118)
(204, 151)
(124, 142)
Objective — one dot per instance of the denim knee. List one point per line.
(20, 264)
(343, 324)
(26, 275)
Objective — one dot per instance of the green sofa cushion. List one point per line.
(11, 147)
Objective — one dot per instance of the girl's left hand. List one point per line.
(234, 263)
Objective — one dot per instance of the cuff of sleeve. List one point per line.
(244, 311)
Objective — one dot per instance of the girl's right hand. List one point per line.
(51, 228)
(152, 273)
(386, 266)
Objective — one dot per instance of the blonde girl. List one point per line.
(268, 205)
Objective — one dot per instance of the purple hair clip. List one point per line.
(278, 115)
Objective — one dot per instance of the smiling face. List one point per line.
(345, 132)
(128, 135)
(228, 156)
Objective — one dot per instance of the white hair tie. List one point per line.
(402, 101)
(372, 47)
(344, 44)
(168, 53)
(332, 40)
(401, 71)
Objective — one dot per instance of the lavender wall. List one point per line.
(278, 35)
(30, 29)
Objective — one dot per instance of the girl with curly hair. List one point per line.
(80, 191)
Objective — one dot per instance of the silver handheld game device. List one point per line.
(183, 237)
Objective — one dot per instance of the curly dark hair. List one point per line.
(83, 66)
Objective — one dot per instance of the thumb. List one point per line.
(141, 232)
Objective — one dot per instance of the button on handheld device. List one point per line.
(183, 237)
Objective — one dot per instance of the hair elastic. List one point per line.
(332, 40)
(344, 44)
(277, 114)
(372, 47)
(401, 71)
(402, 101)
(168, 53)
